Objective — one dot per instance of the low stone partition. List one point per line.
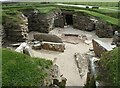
(53, 46)
(100, 47)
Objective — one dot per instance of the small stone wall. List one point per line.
(16, 31)
(83, 22)
(2, 35)
(44, 22)
(100, 47)
(59, 21)
(53, 46)
(103, 30)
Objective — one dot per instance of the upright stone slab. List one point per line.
(100, 47)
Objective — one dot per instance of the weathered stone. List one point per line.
(43, 22)
(2, 35)
(53, 46)
(116, 39)
(16, 31)
(59, 22)
(81, 63)
(100, 47)
(83, 22)
(103, 30)
(47, 38)
(24, 48)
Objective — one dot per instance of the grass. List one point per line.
(12, 16)
(106, 18)
(21, 70)
(46, 9)
(109, 67)
(108, 12)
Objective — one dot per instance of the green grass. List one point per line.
(106, 18)
(46, 9)
(21, 70)
(107, 11)
(12, 16)
(109, 67)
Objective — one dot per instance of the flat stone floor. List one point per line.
(65, 60)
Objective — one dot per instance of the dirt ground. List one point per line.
(66, 60)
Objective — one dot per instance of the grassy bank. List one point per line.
(109, 68)
(106, 18)
(21, 70)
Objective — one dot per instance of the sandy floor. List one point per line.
(66, 61)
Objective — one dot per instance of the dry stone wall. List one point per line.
(2, 35)
(59, 21)
(37, 22)
(16, 31)
(43, 22)
(53, 46)
(100, 47)
(103, 30)
(83, 22)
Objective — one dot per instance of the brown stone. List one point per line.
(83, 22)
(103, 30)
(53, 46)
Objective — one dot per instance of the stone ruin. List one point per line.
(82, 63)
(100, 47)
(55, 80)
(53, 46)
(116, 38)
(49, 42)
(104, 30)
(83, 22)
(43, 23)
(2, 35)
(16, 31)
